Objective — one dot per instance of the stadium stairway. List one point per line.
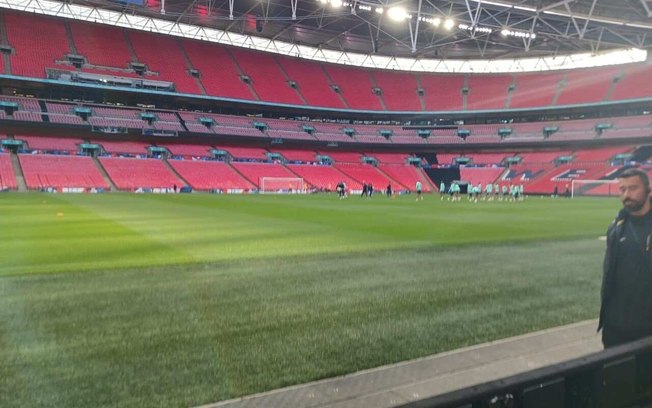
(241, 72)
(422, 100)
(71, 42)
(18, 171)
(190, 67)
(104, 174)
(175, 172)
(130, 47)
(332, 83)
(287, 79)
(416, 380)
(379, 170)
(305, 182)
(612, 86)
(236, 171)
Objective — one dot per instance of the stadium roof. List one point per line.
(559, 27)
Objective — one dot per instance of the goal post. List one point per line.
(282, 185)
(582, 188)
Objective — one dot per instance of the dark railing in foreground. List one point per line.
(617, 377)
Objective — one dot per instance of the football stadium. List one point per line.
(316, 203)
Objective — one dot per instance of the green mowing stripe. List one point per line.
(45, 233)
(120, 230)
(210, 228)
(193, 334)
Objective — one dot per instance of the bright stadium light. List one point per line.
(434, 21)
(379, 10)
(336, 3)
(449, 24)
(518, 34)
(397, 13)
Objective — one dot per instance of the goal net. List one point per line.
(282, 185)
(605, 188)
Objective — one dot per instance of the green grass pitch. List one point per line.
(143, 300)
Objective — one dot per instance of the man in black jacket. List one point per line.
(626, 310)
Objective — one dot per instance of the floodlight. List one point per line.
(379, 10)
(449, 23)
(397, 13)
(505, 32)
(336, 3)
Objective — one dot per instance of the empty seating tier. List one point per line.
(245, 152)
(189, 150)
(635, 83)
(344, 157)
(313, 83)
(48, 171)
(487, 91)
(364, 173)
(298, 155)
(393, 158)
(599, 155)
(7, 175)
(255, 171)
(442, 92)
(210, 175)
(131, 174)
(399, 90)
(541, 157)
(356, 87)
(117, 147)
(482, 175)
(163, 55)
(91, 42)
(533, 90)
(266, 76)
(39, 42)
(406, 176)
(50, 143)
(583, 88)
(219, 73)
(324, 177)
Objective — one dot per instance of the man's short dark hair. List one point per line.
(635, 172)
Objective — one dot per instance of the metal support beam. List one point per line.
(374, 45)
(293, 3)
(572, 19)
(586, 22)
(529, 39)
(647, 8)
(414, 36)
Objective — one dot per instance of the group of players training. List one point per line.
(474, 193)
